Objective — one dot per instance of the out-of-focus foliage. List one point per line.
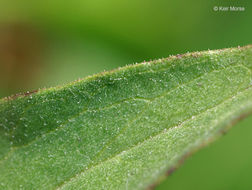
(83, 37)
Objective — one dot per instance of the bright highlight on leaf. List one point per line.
(125, 128)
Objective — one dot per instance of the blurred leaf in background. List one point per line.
(85, 37)
(48, 43)
(20, 56)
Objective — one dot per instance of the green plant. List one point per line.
(125, 128)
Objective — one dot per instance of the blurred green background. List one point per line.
(52, 42)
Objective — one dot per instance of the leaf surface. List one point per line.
(125, 128)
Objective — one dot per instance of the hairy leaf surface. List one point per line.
(125, 128)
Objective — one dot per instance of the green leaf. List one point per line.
(125, 128)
